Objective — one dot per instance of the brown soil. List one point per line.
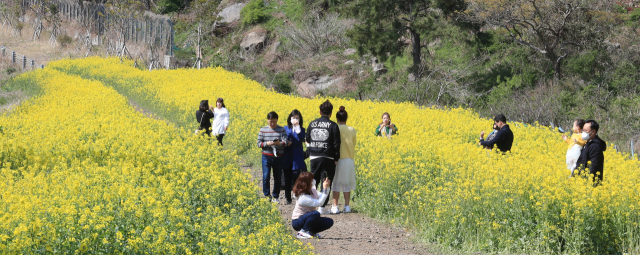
(352, 233)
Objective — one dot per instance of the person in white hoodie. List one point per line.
(220, 120)
(305, 218)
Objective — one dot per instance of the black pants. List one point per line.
(219, 137)
(319, 165)
(290, 177)
(206, 131)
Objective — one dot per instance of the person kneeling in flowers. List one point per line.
(305, 218)
(386, 128)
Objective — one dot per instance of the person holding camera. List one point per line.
(386, 128)
(305, 217)
(203, 117)
(272, 139)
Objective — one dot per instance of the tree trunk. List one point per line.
(415, 53)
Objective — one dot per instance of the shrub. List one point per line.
(168, 6)
(64, 40)
(315, 35)
(255, 12)
(11, 70)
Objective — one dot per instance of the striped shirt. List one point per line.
(268, 134)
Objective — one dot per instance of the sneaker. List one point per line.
(334, 210)
(303, 235)
(288, 202)
(347, 209)
(275, 201)
(322, 210)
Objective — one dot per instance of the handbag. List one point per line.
(200, 125)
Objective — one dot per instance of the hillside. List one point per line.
(330, 48)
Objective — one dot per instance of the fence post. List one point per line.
(13, 57)
(41, 66)
(33, 64)
(24, 62)
(632, 149)
(3, 50)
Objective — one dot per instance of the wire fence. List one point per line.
(17, 59)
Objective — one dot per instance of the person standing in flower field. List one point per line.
(305, 218)
(592, 155)
(575, 145)
(294, 162)
(345, 178)
(386, 128)
(272, 139)
(323, 138)
(504, 137)
(204, 116)
(220, 120)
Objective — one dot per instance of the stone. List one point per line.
(349, 52)
(378, 68)
(272, 55)
(231, 14)
(612, 45)
(301, 75)
(254, 39)
(311, 85)
(404, 41)
(349, 62)
(411, 77)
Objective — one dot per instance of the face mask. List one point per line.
(295, 121)
(585, 136)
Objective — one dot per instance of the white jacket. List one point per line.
(220, 120)
(308, 203)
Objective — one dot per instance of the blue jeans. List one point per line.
(269, 163)
(312, 223)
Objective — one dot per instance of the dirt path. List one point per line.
(352, 233)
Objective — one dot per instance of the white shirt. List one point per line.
(220, 120)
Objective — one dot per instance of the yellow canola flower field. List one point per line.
(83, 172)
(432, 177)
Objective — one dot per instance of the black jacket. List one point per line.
(503, 139)
(323, 136)
(205, 122)
(593, 152)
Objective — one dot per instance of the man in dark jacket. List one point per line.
(504, 138)
(592, 154)
(323, 146)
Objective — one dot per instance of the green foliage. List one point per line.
(294, 9)
(383, 22)
(254, 13)
(282, 82)
(589, 66)
(633, 19)
(620, 9)
(169, 6)
(11, 70)
(625, 79)
(64, 40)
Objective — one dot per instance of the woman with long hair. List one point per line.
(294, 162)
(305, 218)
(220, 121)
(345, 179)
(204, 116)
(386, 128)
